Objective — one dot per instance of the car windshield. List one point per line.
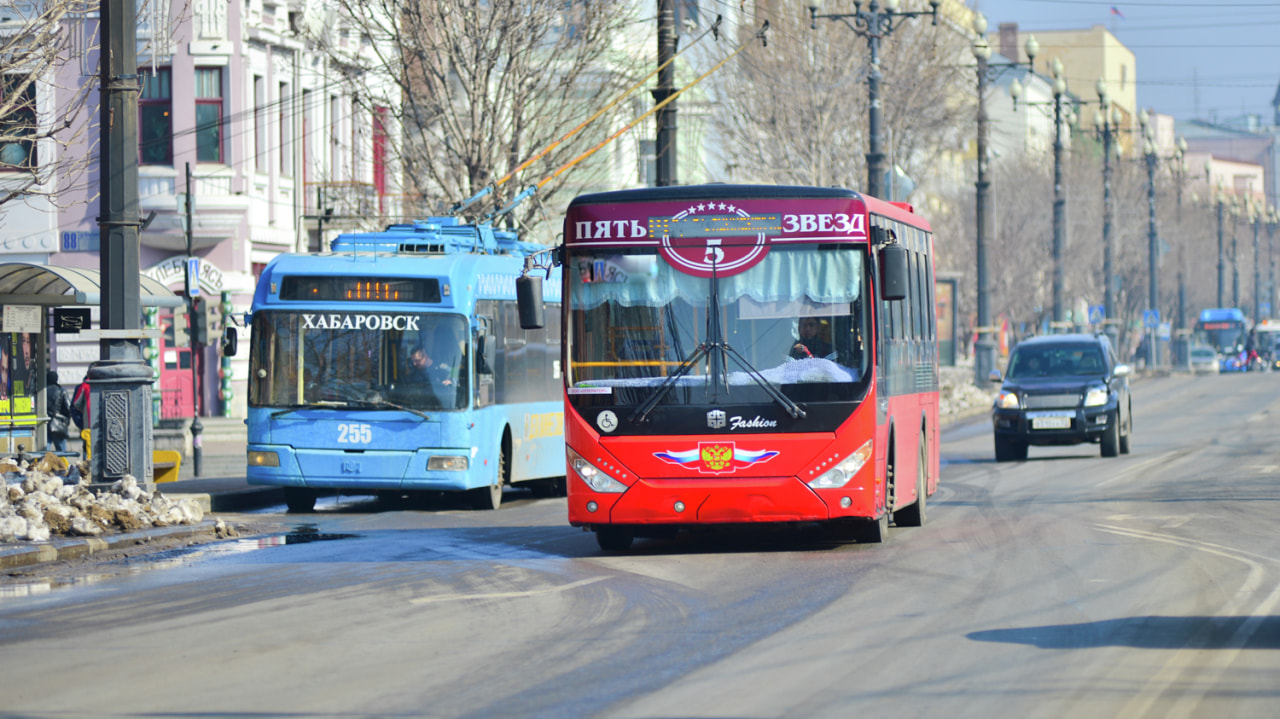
(1056, 361)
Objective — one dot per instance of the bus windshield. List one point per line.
(792, 328)
(413, 361)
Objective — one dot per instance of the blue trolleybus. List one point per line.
(395, 363)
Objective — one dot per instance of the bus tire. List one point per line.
(1111, 437)
(873, 531)
(614, 539)
(300, 500)
(914, 515)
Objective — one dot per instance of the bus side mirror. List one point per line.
(230, 341)
(529, 302)
(893, 272)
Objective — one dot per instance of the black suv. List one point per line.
(1062, 389)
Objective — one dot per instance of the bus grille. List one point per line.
(1052, 401)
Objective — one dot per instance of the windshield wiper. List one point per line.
(719, 361)
(346, 403)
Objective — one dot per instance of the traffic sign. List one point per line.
(193, 276)
(1151, 319)
(1097, 313)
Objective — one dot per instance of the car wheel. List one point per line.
(1127, 432)
(1111, 437)
(1008, 450)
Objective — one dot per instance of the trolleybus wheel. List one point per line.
(614, 539)
(491, 497)
(299, 499)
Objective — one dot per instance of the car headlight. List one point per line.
(845, 469)
(1096, 397)
(1007, 400)
(596, 479)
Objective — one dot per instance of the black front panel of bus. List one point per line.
(764, 418)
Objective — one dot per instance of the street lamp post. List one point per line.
(1107, 121)
(1235, 248)
(1255, 217)
(1153, 241)
(875, 23)
(1059, 195)
(984, 357)
(1219, 201)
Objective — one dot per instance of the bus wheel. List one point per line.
(614, 539)
(873, 531)
(300, 500)
(914, 515)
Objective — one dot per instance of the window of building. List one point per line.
(283, 101)
(155, 117)
(648, 162)
(259, 124)
(18, 126)
(208, 114)
(380, 115)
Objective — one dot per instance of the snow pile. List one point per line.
(49, 497)
(959, 397)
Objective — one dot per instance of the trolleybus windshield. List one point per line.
(793, 328)
(317, 358)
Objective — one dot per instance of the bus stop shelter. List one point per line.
(29, 294)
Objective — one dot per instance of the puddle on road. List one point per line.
(69, 577)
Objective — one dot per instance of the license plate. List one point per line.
(1051, 423)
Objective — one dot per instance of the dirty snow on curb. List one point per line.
(50, 497)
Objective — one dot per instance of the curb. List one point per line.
(60, 549)
(239, 500)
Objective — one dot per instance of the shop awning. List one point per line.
(23, 283)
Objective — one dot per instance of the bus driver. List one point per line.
(811, 343)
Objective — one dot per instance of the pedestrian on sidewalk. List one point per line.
(59, 409)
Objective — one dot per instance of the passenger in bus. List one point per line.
(811, 343)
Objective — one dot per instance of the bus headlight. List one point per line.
(845, 469)
(263, 459)
(1096, 397)
(448, 464)
(596, 479)
(1007, 400)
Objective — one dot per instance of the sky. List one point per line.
(1196, 59)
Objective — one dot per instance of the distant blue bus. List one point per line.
(1222, 328)
(395, 363)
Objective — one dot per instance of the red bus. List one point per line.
(739, 354)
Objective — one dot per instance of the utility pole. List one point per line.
(120, 381)
(665, 149)
(197, 349)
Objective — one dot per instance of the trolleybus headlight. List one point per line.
(1007, 400)
(1096, 397)
(845, 469)
(596, 479)
(263, 459)
(448, 464)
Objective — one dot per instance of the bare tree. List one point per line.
(796, 110)
(39, 117)
(483, 85)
